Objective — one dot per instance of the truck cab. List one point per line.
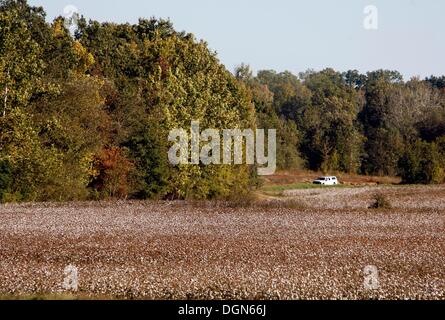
(326, 181)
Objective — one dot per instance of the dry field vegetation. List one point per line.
(305, 244)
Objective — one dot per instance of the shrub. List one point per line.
(380, 202)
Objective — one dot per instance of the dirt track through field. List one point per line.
(173, 250)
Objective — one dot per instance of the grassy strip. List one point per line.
(298, 186)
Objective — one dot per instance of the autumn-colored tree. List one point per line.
(110, 173)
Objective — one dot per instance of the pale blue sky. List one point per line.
(295, 35)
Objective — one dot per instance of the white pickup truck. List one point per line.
(326, 181)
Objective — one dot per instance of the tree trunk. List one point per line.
(6, 95)
(5, 101)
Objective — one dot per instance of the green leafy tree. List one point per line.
(332, 139)
(34, 167)
(423, 163)
(272, 115)
(396, 115)
(75, 123)
(161, 80)
(21, 65)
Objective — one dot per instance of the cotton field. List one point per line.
(332, 246)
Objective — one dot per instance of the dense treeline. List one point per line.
(372, 123)
(87, 116)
